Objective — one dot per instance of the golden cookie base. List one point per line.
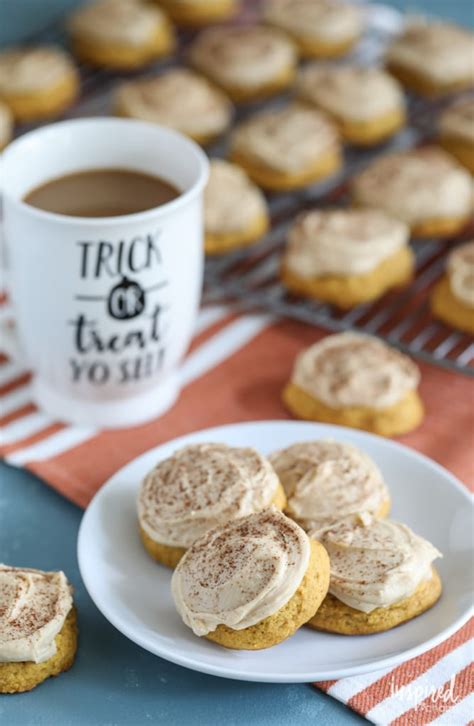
(351, 290)
(446, 307)
(424, 85)
(400, 418)
(439, 227)
(286, 621)
(45, 103)
(197, 14)
(371, 131)
(217, 243)
(335, 616)
(25, 675)
(462, 150)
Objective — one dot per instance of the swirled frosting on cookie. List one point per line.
(202, 486)
(179, 99)
(376, 563)
(350, 91)
(6, 125)
(231, 200)
(118, 21)
(239, 574)
(326, 481)
(327, 20)
(415, 185)
(349, 369)
(437, 50)
(461, 273)
(288, 140)
(458, 121)
(33, 607)
(342, 242)
(246, 56)
(32, 69)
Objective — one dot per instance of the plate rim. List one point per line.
(233, 672)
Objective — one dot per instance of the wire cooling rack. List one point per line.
(249, 278)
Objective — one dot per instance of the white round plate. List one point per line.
(133, 591)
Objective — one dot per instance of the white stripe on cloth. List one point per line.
(346, 688)
(209, 316)
(458, 715)
(10, 371)
(53, 445)
(21, 428)
(417, 690)
(15, 399)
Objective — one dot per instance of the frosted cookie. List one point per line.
(320, 28)
(452, 299)
(251, 583)
(367, 104)
(356, 380)
(6, 125)
(199, 12)
(38, 631)
(235, 210)
(37, 82)
(425, 188)
(288, 148)
(381, 576)
(456, 132)
(179, 99)
(199, 487)
(432, 57)
(248, 62)
(346, 256)
(326, 481)
(122, 34)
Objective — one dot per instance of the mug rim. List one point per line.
(160, 210)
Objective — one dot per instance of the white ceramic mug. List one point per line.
(104, 307)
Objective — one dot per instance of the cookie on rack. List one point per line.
(251, 583)
(381, 576)
(179, 99)
(366, 103)
(6, 125)
(320, 28)
(356, 380)
(249, 62)
(235, 210)
(120, 34)
(196, 13)
(452, 299)
(199, 487)
(425, 188)
(38, 631)
(37, 82)
(456, 132)
(432, 57)
(288, 148)
(346, 256)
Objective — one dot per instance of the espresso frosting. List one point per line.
(327, 20)
(461, 273)
(376, 563)
(200, 487)
(246, 56)
(458, 121)
(350, 92)
(342, 242)
(239, 574)
(33, 608)
(118, 21)
(179, 99)
(288, 140)
(437, 50)
(6, 124)
(416, 185)
(231, 200)
(350, 369)
(24, 70)
(326, 481)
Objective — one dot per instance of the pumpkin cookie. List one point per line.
(179, 99)
(235, 210)
(251, 583)
(456, 132)
(37, 82)
(381, 576)
(199, 487)
(320, 28)
(249, 62)
(452, 299)
(287, 149)
(356, 380)
(120, 34)
(6, 125)
(199, 12)
(432, 58)
(38, 631)
(346, 257)
(425, 188)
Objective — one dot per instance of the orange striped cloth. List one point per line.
(235, 371)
